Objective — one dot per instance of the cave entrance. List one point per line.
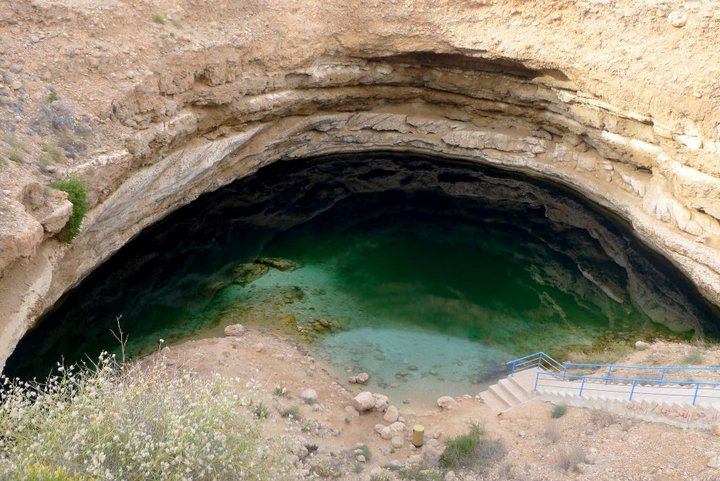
(426, 273)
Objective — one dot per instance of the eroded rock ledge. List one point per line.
(202, 119)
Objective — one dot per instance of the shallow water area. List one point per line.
(427, 274)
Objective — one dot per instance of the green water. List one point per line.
(427, 275)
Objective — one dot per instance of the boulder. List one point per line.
(309, 396)
(391, 415)
(397, 427)
(234, 330)
(381, 402)
(642, 345)
(446, 402)
(365, 401)
(397, 442)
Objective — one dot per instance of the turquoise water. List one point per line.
(426, 274)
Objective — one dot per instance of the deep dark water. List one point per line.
(439, 266)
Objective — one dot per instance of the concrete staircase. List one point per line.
(511, 391)
(670, 403)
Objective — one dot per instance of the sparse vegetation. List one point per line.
(130, 422)
(53, 96)
(558, 411)
(409, 473)
(280, 391)
(571, 456)
(693, 358)
(364, 450)
(602, 418)
(472, 450)
(78, 196)
(12, 141)
(176, 23)
(260, 411)
(292, 412)
(15, 156)
(552, 432)
(41, 472)
(159, 18)
(52, 154)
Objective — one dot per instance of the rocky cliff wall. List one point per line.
(489, 82)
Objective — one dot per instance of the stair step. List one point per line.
(494, 402)
(518, 393)
(525, 389)
(503, 394)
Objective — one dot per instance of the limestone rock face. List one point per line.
(514, 88)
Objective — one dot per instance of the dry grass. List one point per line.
(132, 423)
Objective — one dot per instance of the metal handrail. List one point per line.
(549, 367)
(634, 382)
(537, 360)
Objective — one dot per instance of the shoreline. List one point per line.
(536, 444)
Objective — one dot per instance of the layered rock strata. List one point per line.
(199, 119)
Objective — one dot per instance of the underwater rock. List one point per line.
(293, 294)
(278, 263)
(234, 330)
(247, 273)
(361, 378)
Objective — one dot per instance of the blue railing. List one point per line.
(552, 370)
(539, 360)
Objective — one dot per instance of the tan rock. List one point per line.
(234, 330)
(446, 402)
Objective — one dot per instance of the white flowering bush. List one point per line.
(133, 423)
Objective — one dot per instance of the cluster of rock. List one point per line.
(361, 378)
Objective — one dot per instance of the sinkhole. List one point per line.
(426, 273)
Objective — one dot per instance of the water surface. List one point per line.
(427, 274)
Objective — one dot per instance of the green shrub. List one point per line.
(41, 472)
(364, 450)
(471, 450)
(77, 194)
(52, 154)
(52, 96)
(291, 412)
(159, 18)
(15, 156)
(260, 411)
(558, 411)
(694, 358)
(133, 423)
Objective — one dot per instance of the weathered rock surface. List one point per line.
(234, 330)
(364, 401)
(495, 83)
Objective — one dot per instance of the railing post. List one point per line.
(608, 375)
(582, 386)
(662, 376)
(537, 378)
(697, 388)
(512, 371)
(632, 390)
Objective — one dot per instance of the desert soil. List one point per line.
(583, 444)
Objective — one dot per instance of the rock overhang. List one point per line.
(201, 127)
